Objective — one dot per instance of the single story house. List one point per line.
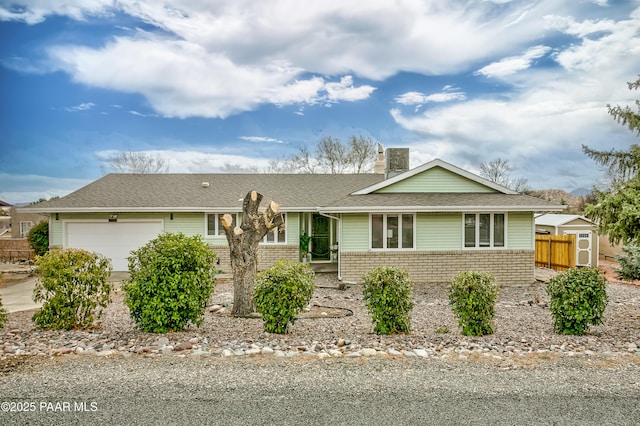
(587, 244)
(435, 220)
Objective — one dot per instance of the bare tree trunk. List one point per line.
(243, 246)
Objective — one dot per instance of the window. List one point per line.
(392, 231)
(25, 227)
(275, 236)
(214, 223)
(484, 230)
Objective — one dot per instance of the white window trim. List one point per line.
(384, 232)
(25, 227)
(216, 233)
(275, 231)
(491, 229)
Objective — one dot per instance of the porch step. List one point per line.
(324, 267)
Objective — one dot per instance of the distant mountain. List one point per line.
(559, 196)
(581, 192)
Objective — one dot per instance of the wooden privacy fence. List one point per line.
(556, 251)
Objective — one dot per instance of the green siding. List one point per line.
(189, 224)
(439, 231)
(436, 180)
(355, 232)
(520, 231)
(293, 229)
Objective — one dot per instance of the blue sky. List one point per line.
(208, 83)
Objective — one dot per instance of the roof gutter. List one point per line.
(439, 209)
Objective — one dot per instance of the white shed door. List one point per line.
(112, 239)
(583, 247)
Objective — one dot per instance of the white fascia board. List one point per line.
(151, 209)
(440, 209)
(431, 164)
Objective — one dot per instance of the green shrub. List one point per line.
(629, 264)
(73, 286)
(282, 292)
(171, 280)
(472, 297)
(3, 311)
(578, 298)
(38, 238)
(387, 294)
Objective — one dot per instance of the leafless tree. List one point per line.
(137, 162)
(331, 155)
(362, 153)
(499, 171)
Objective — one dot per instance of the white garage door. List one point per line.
(112, 239)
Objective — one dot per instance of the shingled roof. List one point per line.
(206, 192)
(329, 193)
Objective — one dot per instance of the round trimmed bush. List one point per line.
(578, 298)
(38, 238)
(387, 294)
(171, 280)
(282, 292)
(73, 288)
(472, 297)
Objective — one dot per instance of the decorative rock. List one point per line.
(420, 353)
(267, 351)
(368, 352)
(108, 352)
(394, 352)
(227, 353)
(183, 346)
(163, 341)
(335, 353)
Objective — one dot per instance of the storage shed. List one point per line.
(568, 224)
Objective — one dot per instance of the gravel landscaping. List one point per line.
(338, 325)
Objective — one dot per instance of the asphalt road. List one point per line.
(300, 391)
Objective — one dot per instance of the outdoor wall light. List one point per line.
(57, 217)
(113, 218)
(170, 216)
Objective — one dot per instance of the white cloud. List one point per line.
(540, 124)
(194, 161)
(261, 139)
(346, 91)
(85, 106)
(28, 188)
(513, 64)
(218, 60)
(448, 94)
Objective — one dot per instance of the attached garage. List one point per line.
(114, 240)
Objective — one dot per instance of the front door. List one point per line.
(321, 237)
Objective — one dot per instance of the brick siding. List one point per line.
(510, 267)
(267, 256)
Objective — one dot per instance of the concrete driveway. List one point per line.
(16, 296)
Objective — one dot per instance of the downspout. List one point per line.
(339, 233)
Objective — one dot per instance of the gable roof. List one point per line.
(560, 219)
(431, 165)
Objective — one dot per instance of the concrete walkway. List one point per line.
(16, 296)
